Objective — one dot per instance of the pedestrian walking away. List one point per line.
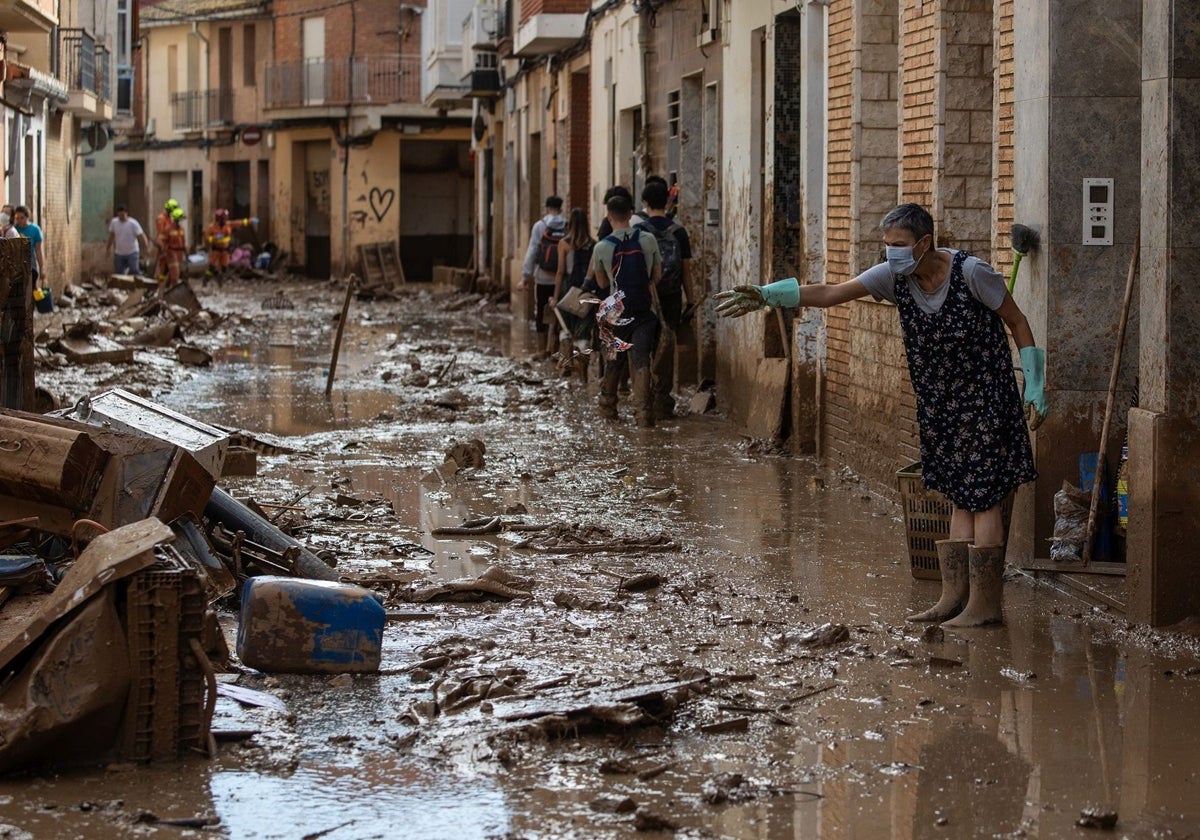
(975, 446)
(541, 258)
(125, 234)
(627, 264)
(605, 227)
(675, 247)
(575, 272)
(33, 233)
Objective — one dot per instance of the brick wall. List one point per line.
(579, 144)
(365, 27)
(60, 222)
(840, 164)
(529, 8)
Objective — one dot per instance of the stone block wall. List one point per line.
(920, 48)
(878, 169)
(965, 181)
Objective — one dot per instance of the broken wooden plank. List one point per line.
(573, 701)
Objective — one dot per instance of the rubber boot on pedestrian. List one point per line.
(952, 561)
(986, 581)
(643, 404)
(608, 391)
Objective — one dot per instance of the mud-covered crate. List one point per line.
(166, 714)
(927, 519)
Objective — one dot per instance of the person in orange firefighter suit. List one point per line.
(176, 246)
(162, 224)
(219, 236)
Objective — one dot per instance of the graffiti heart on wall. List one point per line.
(381, 201)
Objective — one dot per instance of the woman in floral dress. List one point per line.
(975, 448)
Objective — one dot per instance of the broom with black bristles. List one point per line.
(1024, 240)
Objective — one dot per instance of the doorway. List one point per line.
(317, 210)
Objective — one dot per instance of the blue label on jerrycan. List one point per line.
(291, 625)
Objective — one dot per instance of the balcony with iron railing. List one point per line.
(200, 109)
(84, 67)
(362, 81)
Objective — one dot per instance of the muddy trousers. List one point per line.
(643, 335)
(663, 367)
(542, 294)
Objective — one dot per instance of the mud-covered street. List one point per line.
(706, 638)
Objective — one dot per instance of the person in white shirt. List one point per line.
(541, 257)
(124, 234)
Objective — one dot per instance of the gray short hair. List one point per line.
(910, 217)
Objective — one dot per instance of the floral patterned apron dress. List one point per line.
(974, 442)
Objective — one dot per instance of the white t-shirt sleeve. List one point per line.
(137, 228)
(986, 283)
(880, 282)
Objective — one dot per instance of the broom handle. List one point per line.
(1090, 533)
(1012, 278)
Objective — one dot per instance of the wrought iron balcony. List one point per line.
(83, 66)
(197, 110)
(363, 80)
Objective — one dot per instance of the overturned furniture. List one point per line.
(111, 666)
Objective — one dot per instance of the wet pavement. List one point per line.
(887, 732)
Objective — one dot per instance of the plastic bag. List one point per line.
(1071, 508)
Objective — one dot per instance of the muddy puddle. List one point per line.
(791, 698)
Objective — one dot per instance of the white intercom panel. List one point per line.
(1097, 211)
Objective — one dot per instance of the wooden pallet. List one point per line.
(381, 264)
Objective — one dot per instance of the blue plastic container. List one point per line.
(297, 626)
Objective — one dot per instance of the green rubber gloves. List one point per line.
(741, 300)
(1033, 363)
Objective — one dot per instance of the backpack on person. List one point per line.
(547, 249)
(629, 261)
(672, 263)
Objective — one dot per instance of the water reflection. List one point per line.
(384, 797)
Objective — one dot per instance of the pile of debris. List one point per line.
(142, 315)
(116, 533)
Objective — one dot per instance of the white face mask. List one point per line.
(900, 258)
(4, 220)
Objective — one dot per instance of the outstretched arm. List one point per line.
(742, 300)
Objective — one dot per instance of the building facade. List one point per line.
(56, 91)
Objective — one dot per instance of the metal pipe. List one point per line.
(235, 516)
